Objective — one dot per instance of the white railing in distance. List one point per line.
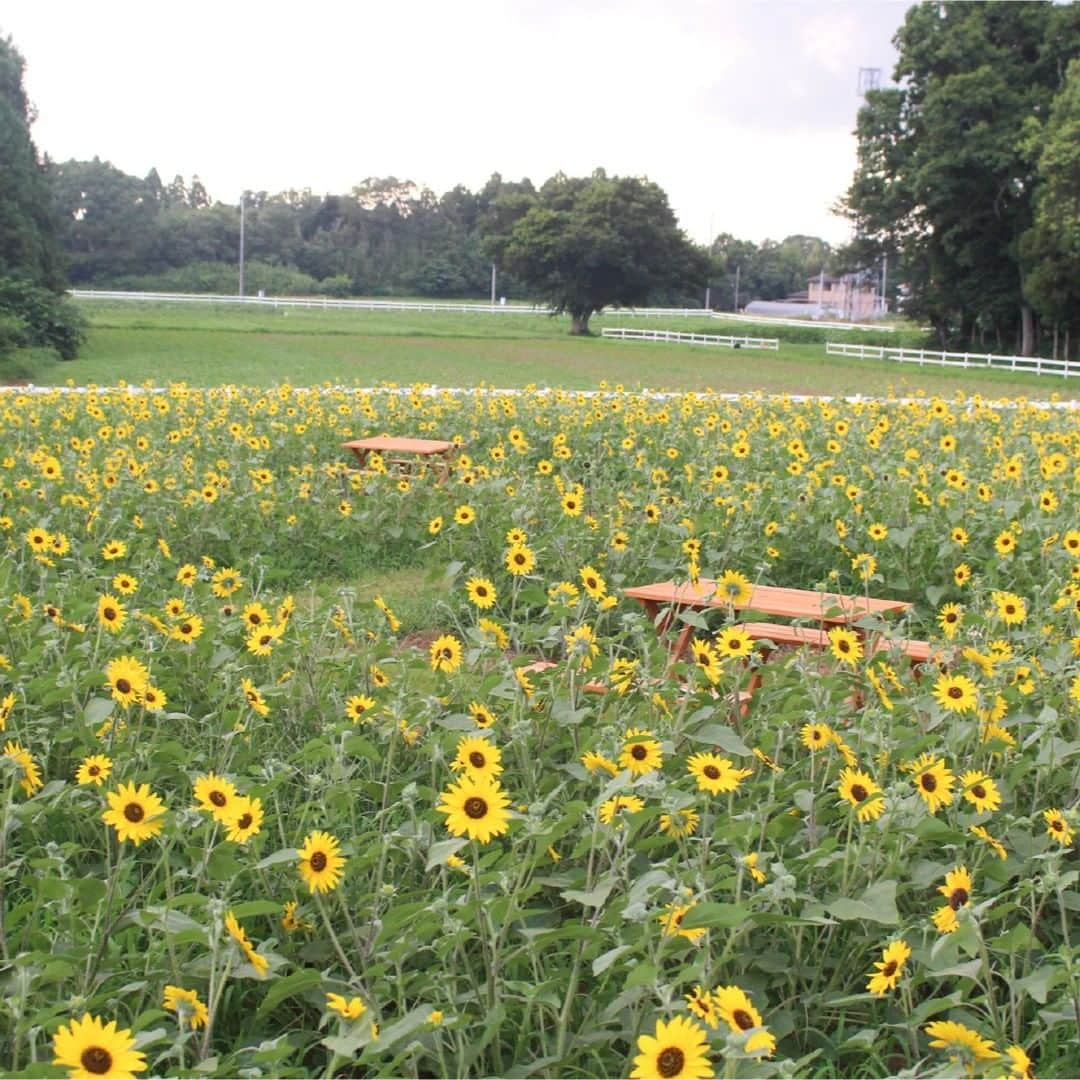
(677, 336)
(1037, 365)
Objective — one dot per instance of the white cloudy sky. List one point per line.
(742, 110)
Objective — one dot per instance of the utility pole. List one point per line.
(707, 289)
(884, 282)
(243, 199)
(492, 284)
(738, 270)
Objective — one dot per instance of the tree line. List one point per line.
(384, 237)
(968, 175)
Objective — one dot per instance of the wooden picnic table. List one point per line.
(406, 452)
(823, 608)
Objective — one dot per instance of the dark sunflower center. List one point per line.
(958, 898)
(844, 646)
(1056, 826)
(979, 791)
(670, 1061)
(712, 772)
(97, 1060)
(928, 782)
(951, 617)
(477, 759)
(318, 862)
(123, 686)
(858, 792)
(265, 639)
(476, 808)
(244, 821)
(134, 812)
(956, 692)
(744, 1020)
(109, 613)
(889, 969)
(639, 752)
(185, 628)
(93, 770)
(218, 798)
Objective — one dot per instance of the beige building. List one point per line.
(844, 297)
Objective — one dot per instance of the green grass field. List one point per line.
(207, 345)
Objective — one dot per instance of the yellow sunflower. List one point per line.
(215, 795)
(678, 1050)
(734, 588)
(957, 891)
(933, 781)
(321, 862)
(135, 813)
(618, 805)
(520, 560)
(358, 708)
(126, 678)
(90, 1048)
(93, 770)
(482, 716)
(845, 645)
(671, 919)
(245, 821)
(715, 774)
(980, 790)
(475, 806)
(481, 593)
(30, 774)
(445, 654)
(477, 757)
(737, 1011)
(682, 823)
(949, 1035)
(111, 614)
(593, 583)
(859, 789)
(889, 968)
(346, 1008)
(956, 693)
(1058, 827)
(595, 762)
(733, 643)
(641, 753)
(187, 1006)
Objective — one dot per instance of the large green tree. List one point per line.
(946, 179)
(586, 243)
(33, 310)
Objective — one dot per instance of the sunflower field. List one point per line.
(253, 825)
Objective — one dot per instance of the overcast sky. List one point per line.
(742, 111)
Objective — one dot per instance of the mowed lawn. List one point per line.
(211, 345)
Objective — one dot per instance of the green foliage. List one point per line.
(34, 316)
(27, 240)
(947, 180)
(589, 243)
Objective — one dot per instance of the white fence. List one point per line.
(778, 321)
(691, 339)
(1036, 364)
(302, 302)
(358, 305)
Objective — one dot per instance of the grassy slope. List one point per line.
(207, 345)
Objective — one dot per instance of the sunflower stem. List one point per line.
(333, 936)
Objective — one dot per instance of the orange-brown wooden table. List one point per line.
(406, 452)
(797, 604)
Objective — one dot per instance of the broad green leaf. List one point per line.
(877, 904)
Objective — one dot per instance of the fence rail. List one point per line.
(777, 320)
(627, 334)
(303, 302)
(1037, 364)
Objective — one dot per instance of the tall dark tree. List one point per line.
(945, 178)
(33, 310)
(587, 243)
(27, 227)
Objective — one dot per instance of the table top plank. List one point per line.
(393, 444)
(770, 600)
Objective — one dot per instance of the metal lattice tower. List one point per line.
(869, 79)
